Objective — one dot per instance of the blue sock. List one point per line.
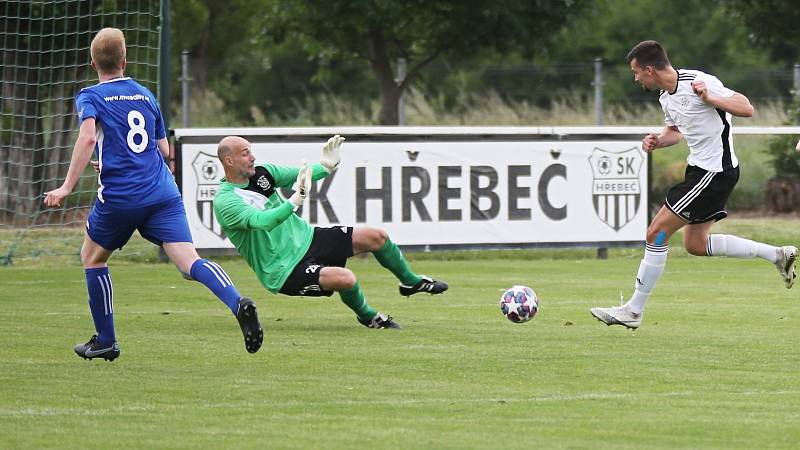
(101, 304)
(214, 277)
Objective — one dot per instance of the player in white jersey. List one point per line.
(697, 108)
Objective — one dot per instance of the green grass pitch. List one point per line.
(716, 363)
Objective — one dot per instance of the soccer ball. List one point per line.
(519, 304)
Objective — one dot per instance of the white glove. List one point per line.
(302, 186)
(330, 153)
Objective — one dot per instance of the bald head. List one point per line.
(108, 50)
(229, 144)
(237, 160)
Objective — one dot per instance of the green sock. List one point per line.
(354, 299)
(392, 258)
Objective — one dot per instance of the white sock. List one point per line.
(650, 269)
(736, 247)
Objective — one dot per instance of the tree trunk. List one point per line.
(389, 89)
(390, 102)
(7, 101)
(200, 61)
(23, 172)
(26, 155)
(5, 150)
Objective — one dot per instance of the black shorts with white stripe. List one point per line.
(702, 195)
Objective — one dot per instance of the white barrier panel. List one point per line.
(454, 194)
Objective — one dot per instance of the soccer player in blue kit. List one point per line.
(121, 121)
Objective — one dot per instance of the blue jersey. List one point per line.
(129, 122)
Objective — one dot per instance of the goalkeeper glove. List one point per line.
(301, 186)
(330, 154)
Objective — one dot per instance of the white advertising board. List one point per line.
(452, 194)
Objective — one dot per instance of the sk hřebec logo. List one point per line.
(208, 172)
(616, 191)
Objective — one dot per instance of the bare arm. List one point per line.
(81, 153)
(164, 148)
(737, 104)
(668, 137)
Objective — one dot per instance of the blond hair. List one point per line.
(108, 50)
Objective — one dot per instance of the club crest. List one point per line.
(208, 172)
(263, 182)
(616, 191)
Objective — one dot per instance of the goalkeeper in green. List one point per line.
(288, 255)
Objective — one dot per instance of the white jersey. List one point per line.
(707, 130)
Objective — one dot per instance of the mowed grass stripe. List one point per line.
(714, 365)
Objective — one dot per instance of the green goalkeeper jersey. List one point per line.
(262, 224)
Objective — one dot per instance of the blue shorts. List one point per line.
(112, 227)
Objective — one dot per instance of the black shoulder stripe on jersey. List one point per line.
(262, 182)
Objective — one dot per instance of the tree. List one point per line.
(212, 31)
(773, 23)
(699, 35)
(382, 31)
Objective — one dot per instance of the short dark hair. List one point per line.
(649, 53)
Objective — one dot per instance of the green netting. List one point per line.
(44, 61)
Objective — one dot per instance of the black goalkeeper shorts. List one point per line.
(329, 247)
